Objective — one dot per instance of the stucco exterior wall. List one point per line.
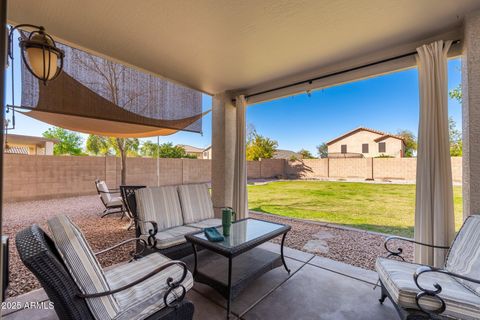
(471, 114)
(354, 142)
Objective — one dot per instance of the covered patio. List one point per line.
(317, 288)
(245, 53)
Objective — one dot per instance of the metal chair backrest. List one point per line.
(128, 197)
(464, 255)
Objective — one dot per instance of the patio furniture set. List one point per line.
(170, 222)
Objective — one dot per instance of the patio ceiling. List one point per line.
(215, 46)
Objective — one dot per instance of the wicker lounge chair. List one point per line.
(424, 292)
(150, 288)
(110, 198)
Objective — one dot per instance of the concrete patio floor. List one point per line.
(316, 288)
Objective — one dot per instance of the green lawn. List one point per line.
(387, 208)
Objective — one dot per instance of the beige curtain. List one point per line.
(240, 196)
(434, 221)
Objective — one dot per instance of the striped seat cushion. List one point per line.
(145, 298)
(83, 266)
(196, 202)
(159, 204)
(397, 278)
(171, 237)
(207, 223)
(464, 256)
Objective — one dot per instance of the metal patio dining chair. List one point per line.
(110, 198)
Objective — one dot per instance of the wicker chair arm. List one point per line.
(134, 254)
(399, 251)
(170, 283)
(434, 293)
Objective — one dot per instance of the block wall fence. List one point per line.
(29, 177)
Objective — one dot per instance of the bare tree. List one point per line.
(108, 82)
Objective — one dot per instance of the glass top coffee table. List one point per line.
(230, 265)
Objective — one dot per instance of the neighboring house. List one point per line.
(19, 144)
(286, 154)
(207, 153)
(365, 142)
(192, 151)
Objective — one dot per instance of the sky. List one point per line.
(388, 103)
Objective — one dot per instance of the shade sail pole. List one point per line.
(158, 161)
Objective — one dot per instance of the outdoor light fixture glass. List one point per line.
(39, 53)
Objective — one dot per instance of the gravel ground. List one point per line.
(101, 233)
(358, 248)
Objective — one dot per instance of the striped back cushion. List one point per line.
(196, 202)
(464, 256)
(159, 204)
(83, 266)
(102, 186)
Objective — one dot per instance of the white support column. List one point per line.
(471, 114)
(223, 151)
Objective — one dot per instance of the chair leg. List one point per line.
(107, 212)
(383, 294)
(104, 213)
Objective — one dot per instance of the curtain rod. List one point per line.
(310, 81)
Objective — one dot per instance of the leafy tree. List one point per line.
(456, 93)
(70, 143)
(306, 154)
(168, 150)
(98, 145)
(456, 144)
(164, 150)
(410, 142)
(260, 147)
(322, 150)
(293, 158)
(149, 149)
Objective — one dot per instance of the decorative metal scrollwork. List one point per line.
(173, 285)
(391, 252)
(424, 292)
(399, 251)
(152, 240)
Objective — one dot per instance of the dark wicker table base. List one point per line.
(213, 269)
(230, 265)
(230, 275)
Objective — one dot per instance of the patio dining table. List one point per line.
(230, 265)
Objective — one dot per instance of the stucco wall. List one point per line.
(354, 142)
(43, 177)
(362, 168)
(40, 177)
(29, 177)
